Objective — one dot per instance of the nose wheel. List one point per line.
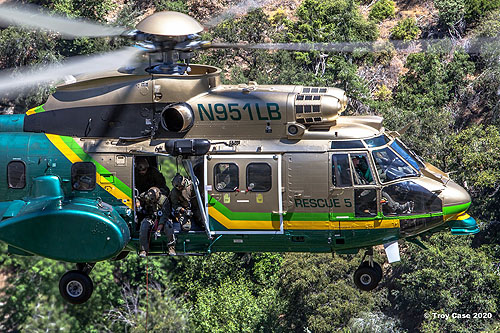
(369, 273)
(76, 286)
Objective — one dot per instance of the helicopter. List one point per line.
(276, 168)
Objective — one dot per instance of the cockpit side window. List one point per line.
(390, 166)
(341, 170)
(226, 177)
(362, 174)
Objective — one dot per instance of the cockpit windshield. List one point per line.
(407, 154)
(390, 166)
(377, 141)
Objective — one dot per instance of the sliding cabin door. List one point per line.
(243, 193)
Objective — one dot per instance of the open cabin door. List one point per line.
(244, 194)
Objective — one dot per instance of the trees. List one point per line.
(450, 277)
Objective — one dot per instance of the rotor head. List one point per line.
(170, 24)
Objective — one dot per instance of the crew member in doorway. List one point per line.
(157, 211)
(147, 177)
(184, 202)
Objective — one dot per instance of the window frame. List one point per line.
(367, 154)
(333, 169)
(8, 179)
(270, 177)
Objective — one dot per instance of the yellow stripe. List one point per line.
(300, 225)
(63, 148)
(244, 225)
(73, 158)
(31, 111)
(458, 216)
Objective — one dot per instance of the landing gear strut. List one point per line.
(75, 286)
(368, 274)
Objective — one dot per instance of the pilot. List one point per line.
(184, 201)
(157, 211)
(147, 177)
(395, 207)
(363, 173)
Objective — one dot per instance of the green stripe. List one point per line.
(456, 209)
(75, 147)
(39, 109)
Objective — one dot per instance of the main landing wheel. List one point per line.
(76, 287)
(367, 278)
(377, 268)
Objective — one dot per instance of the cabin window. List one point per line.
(390, 166)
(259, 176)
(362, 174)
(347, 144)
(16, 174)
(341, 171)
(226, 177)
(83, 176)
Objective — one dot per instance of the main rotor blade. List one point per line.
(239, 9)
(34, 17)
(422, 45)
(27, 77)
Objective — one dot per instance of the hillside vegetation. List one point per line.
(449, 95)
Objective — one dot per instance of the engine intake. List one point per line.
(177, 118)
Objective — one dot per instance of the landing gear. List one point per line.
(369, 273)
(75, 286)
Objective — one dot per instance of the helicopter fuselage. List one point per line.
(284, 172)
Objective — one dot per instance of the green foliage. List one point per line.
(233, 306)
(451, 12)
(169, 5)
(96, 10)
(382, 9)
(474, 157)
(406, 29)
(331, 20)
(153, 306)
(319, 293)
(476, 9)
(450, 277)
(421, 97)
(245, 283)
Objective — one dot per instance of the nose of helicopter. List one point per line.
(456, 201)
(455, 198)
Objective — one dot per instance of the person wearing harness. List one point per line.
(157, 211)
(184, 202)
(147, 176)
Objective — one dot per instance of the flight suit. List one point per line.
(185, 205)
(156, 210)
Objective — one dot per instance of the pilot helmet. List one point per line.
(152, 195)
(178, 180)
